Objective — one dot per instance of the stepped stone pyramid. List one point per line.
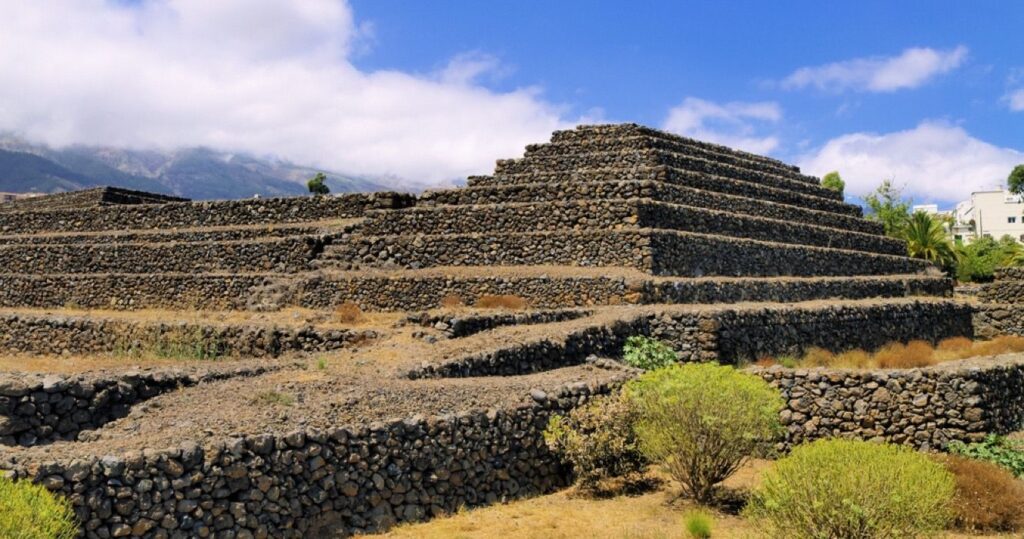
(633, 197)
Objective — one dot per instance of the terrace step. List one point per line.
(550, 192)
(273, 254)
(616, 214)
(682, 146)
(646, 158)
(202, 234)
(589, 133)
(695, 180)
(660, 252)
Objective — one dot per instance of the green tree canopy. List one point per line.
(833, 181)
(887, 206)
(1015, 182)
(318, 184)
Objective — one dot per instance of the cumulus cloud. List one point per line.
(936, 161)
(1016, 100)
(734, 124)
(272, 77)
(911, 69)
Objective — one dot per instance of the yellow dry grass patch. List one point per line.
(911, 355)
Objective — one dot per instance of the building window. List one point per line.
(1011, 220)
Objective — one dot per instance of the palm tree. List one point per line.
(926, 238)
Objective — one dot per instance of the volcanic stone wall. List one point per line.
(200, 214)
(618, 213)
(290, 254)
(926, 408)
(728, 335)
(659, 251)
(463, 325)
(182, 236)
(36, 409)
(311, 482)
(88, 198)
(92, 335)
(665, 192)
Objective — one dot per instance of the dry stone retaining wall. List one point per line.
(311, 482)
(926, 408)
(63, 335)
(36, 409)
(200, 214)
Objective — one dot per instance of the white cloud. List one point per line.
(1016, 100)
(936, 161)
(734, 124)
(265, 76)
(911, 69)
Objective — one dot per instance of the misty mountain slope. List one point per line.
(197, 173)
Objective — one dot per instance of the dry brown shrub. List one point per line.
(502, 301)
(911, 355)
(452, 301)
(1004, 344)
(766, 361)
(955, 344)
(988, 497)
(853, 359)
(818, 357)
(348, 313)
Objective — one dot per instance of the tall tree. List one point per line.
(887, 206)
(318, 184)
(1015, 182)
(833, 181)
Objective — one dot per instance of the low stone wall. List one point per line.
(289, 254)
(50, 335)
(309, 483)
(926, 408)
(728, 335)
(995, 319)
(455, 325)
(617, 214)
(37, 409)
(186, 236)
(88, 198)
(555, 192)
(661, 252)
(200, 214)
(641, 158)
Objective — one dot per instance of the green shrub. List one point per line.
(996, 449)
(647, 353)
(698, 524)
(852, 489)
(701, 421)
(598, 440)
(29, 511)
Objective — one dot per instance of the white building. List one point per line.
(989, 213)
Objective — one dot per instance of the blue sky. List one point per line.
(424, 93)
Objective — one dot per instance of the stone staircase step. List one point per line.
(647, 158)
(660, 252)
(616, 214)
(202, 234)
(550, 192)
(695, 180)
(682, 146)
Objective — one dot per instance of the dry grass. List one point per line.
(348, 313)
(911, 355)
(452, 301)
(501, 301)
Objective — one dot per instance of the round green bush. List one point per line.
(29, 511)
(701, 421)
(853, 489)
(647, 353)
